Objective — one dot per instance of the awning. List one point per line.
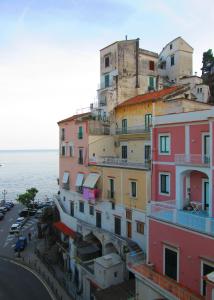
(91, 180)
(79, 179)
(65, 229)
(65, 177)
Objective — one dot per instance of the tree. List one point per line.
(208, 61)
(28, 197)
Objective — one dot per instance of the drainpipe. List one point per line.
(136, 60)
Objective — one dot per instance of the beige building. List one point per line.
(126, 70)
(175, 60)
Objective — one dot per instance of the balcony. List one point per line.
(118, 162)
(192, 160)
(195, 220)
(133, 130)
(99, 130)
(167, 287)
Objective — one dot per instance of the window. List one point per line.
(71, 151)
(151, 65)
(107, 80)
(170, 46)
(91, 210)
(140, 227)
(72, 208)
(63, 150)
(133, 192)
(172, 60)
(128, 214)
(81, 206)
(148, 121)
(124, 126)
(80, 159)
(112, 205)
(62, 134)
(115, 274)
(164, 144)
(107, 61)
(117, 225)
(80, 133)
(98, 219)
(206, 269)
(164, 183)
(171, 263)
(124, 150)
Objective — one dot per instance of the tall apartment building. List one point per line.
(126, 70)
(180, 257)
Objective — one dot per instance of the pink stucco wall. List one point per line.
(196, 137)
(191, 246)
(196, 185)
(70, 164)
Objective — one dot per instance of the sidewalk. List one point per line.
(48, 275)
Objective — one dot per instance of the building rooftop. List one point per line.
(108, 260)
(74, 117)
(151, 96)
(148, 52)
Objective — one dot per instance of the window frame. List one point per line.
(161, 135)
(138, 227)
(63, 150)
(122, 152)
(172, 60)
(107, 81)
(151, 65)
(80, 132)
(131, 191)
(160, 185)
(105, 58)
(91, 211)
(81, 150)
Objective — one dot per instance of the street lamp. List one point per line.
(4, 193)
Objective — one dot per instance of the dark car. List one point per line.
(7, 206)
(3, 209)
(27, 212)
(20, 244)
(11, 204)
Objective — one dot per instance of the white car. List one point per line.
(20, 221)
(15, 228)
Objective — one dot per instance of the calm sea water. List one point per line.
(22, 170)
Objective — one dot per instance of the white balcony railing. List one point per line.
(132, 130)
(192, 159)
(195, 220)
(115, 161)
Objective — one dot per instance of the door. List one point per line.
(124, 126)
(72, 208)
(206, 148)
(111, 181)
(206, 194)
(147, 153)
(206, 270)
(171, 263)
(124, 153)
(129, 230)
(98, 219)
(117, 226)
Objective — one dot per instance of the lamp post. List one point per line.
(4, 193)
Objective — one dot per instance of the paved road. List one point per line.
(8, 240)
(17, 283)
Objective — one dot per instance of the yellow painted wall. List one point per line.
(122, 178)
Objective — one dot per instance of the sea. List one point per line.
(24, 169)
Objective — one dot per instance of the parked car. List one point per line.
(10, 203)
(1, 216)
(21, 221)
(15, 228)
(3, 209)
(20, 244)
(27, 212)
(8, 207)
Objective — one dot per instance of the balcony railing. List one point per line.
(133, 130)
(194, 220)
(192, 159)
(99, 131)
(118, 162)
(167, 286)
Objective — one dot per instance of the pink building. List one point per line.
(181, 214)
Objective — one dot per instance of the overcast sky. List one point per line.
(49, 55)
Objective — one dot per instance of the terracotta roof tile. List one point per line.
(150, 96)
(73, 117)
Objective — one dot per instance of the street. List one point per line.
(16, 283)
(7, 240)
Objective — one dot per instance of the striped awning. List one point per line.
(65, 177)
(79, 179)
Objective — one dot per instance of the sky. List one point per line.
(49, 55)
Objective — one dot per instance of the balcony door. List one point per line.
(205, 195)
(206, 148)
(124, 126)
(206, 269)
(171, 263)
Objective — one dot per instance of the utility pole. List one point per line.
(4, 193)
